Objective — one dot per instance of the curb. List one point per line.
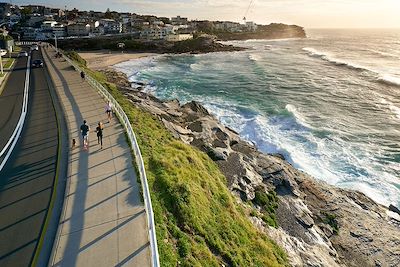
(49, 231)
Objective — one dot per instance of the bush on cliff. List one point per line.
(198, 222)
(268, 203)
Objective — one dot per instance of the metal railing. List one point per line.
(138, 156)
(20, 124)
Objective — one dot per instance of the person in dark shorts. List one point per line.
(85, 134)
(99, 130)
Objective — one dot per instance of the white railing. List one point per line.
(138, 156)
(25, 43)
(9, 147)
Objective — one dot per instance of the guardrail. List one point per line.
(138, 156)
(25, 43)
(18, 128)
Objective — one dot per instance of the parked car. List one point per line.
(3, 52)
(23, 54)
(37, 63)
(35, 47)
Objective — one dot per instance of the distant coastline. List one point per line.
(202, 43)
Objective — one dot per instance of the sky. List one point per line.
(306, 13)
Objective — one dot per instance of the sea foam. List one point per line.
(380, 77)
(389, 79)
(329, 58)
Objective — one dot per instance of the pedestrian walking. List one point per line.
(99, 130)
(85, 134)
(109, 110)
(82, 76)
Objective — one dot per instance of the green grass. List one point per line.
(268, 203)
(75, 56)
(7, 63)
(17, 49)
(198, 221)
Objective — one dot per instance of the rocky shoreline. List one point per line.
(202, 44)
(319, 224)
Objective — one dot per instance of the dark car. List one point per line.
(23, 54)
(37, 63)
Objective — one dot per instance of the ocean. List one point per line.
(329, 103)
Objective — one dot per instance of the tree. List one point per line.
(108, 14)
(26, 11)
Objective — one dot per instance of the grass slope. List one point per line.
(198, 222)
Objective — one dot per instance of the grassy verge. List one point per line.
(7, 63)
(198, 222)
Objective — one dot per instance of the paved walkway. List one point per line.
(104, 221)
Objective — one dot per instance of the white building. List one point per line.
(111, 26)
(158, 23)
(51, 28)
(30, 33)
(227, 26)
(48, 25)
(154, 33)
(178, 20)
(59, 30)
(251, 26)
(78, 29)
(97, 30)
(178, 37)
(171, 29)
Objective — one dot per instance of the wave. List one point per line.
(395, 110)
(298, 116)
(391, 106)
(254, 57)
(329, 58)
(330, 157)
(390, 80)
(385, 54)
(196, 66)
(383, 78)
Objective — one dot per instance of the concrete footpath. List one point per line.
(103, 222)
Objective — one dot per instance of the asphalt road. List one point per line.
(26, 182)
(11, 100)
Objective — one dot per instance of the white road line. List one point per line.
(18, 129)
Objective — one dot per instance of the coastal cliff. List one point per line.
(271, 31)
(202, 43)
(317, 224)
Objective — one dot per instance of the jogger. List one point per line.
(85, 134)
(99, 130)
(109, 110)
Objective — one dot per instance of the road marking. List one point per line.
(18, 129)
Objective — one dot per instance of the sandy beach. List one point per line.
(105, 59)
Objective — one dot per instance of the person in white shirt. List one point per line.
(109, 111)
